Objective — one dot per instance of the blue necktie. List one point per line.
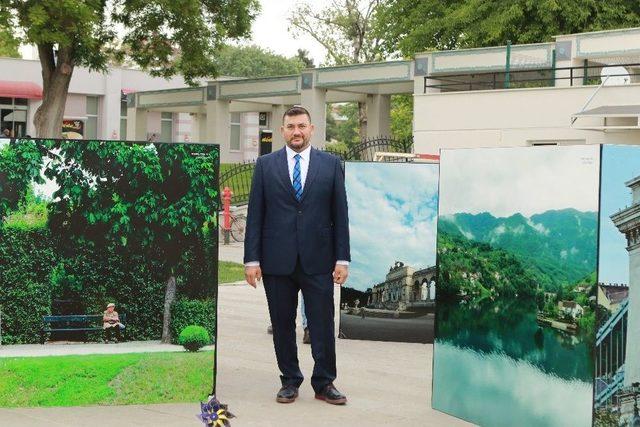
(297, 182)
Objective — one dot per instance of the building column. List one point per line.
(275, 122)
(109, 123)
(378, 115)
(315, 101)
(136, 124)
(218, 127)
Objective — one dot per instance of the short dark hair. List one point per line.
(296, 110)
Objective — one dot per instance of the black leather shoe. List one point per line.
(331, 395)
(287, 394)
(306, 339)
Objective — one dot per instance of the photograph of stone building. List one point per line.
(617, 384)
(391, 291)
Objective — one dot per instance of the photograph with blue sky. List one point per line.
(535, 183)
(392, 217)
(515, 312)
(619, 165)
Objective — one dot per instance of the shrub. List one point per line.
(194, 337)
(185, 312)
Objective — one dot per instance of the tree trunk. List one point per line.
(362, 120)
(169, 298)
(56, 76)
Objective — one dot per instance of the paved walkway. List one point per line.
(387, 383)
(69, 348)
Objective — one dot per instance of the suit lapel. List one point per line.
(312, 172)
(282, 168)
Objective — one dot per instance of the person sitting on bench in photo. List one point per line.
(111, 323)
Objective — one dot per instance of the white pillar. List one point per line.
(110, 120)
(632, 359)
(378, 115)
(315, 100)
(277, 111)
(136, 124)
(218, 127)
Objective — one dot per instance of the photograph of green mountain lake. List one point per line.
(617, 386)
(515, 314)
(391, 291)
(108, 272)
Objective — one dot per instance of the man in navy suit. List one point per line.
(297, 238)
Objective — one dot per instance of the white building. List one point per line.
(97, 100)
(578, 89)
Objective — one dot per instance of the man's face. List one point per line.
(297, 131)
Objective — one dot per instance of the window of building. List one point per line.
(234, 143)
(13, 115)
(166, 127)
(91, 126)
(123, 119)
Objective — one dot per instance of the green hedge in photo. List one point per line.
(36, 270)
(27, 258)
(186, 312)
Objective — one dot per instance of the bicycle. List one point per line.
(238, 225)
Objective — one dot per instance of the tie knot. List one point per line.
(297, 156)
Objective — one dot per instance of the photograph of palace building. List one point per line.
(404, 287)
(617, 387)
(391, 290)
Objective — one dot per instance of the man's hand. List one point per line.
(253, 275)
(340, 274)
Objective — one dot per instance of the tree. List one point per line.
(163, 37)
(8, 44)
(344, 29)
(160, 200)
(303, 55)
(253, 61)
(409, 27)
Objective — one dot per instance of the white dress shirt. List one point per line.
(304, 168)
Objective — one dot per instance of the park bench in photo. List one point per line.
(74, 323)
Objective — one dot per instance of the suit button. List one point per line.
(300, 212)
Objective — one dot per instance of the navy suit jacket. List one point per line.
(280, 229)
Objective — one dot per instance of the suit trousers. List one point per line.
(282, 298)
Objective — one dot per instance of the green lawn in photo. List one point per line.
(230, 272)
(106, 379)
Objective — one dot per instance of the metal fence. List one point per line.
(238, 177)
(535, 77)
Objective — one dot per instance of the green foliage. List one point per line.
(343, 28)
(557, 247)
(185, 312)
(254, 61)
(31, 213)
(161, 36)
(194, 337)
(9, 44)
(105, 379)
(20, 164)
(410, 27)
(26, 260)
(471, 268)
(346, 128)
(401, 116)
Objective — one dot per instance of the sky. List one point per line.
(392, 217)
(619, 165)
(270, 30)
(519, 180)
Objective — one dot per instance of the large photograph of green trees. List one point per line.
(87, 224)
